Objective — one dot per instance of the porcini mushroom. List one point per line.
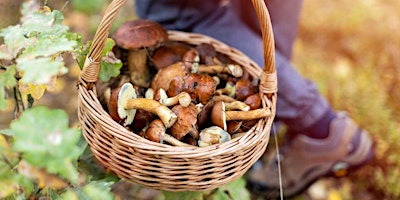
(201, 87)
(125, 104)
(182, 98)
(219, 115)
(156, 133)
(186, 122)
(140, 37)
(213, 135)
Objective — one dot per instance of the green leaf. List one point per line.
(40, 70)
(108, 46)
(236, 190)
(7, 79)
(109, 67)
(182, 195)
(15, 40)
(92, 191)
(8, 158)
(45, 141)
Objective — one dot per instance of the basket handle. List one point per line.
(268, 81)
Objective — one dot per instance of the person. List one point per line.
(320, 142)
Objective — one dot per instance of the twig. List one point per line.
(64, 6)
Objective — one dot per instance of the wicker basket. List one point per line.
(165, 167)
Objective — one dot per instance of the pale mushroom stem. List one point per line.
(247, 115)
(236, 105)
(163, 112)
(234, 70)
(174, 141)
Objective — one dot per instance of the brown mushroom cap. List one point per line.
(218, 116)
(207, 53)
(201, 87)
(186, 122)
(168, 54)
(254, 101)
(140, 33)
(165, 75)
(156, 133)
(244, 88)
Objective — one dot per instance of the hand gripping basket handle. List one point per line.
(268, 84)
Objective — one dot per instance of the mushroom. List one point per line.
(140, 37)
(236, 105)
(253, 101)
(124, 103)
(229, 90)
(165, 75)
(232, 69)
(219, 115)
(141, 120)
(156, 133)
(117, 112)
(201, 87)
(191, 60)
(203, 118)
(223, 98)
(182, 98)
(233, 126)
(168, 54)
(207, 54)
(213, 135)
(186, 122)
(244, 88)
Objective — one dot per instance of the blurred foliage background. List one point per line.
(349, 49)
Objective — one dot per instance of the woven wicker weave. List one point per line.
(165, 167)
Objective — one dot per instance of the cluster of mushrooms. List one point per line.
(180, 94)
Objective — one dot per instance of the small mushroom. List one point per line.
(232, 69)
(156, 133)
(229, 90)
(141, 120)
(253, 101)
(125, 103)
(118, 97)
(168, 54)
(219, 115)
(191, 60)
(244, 88)
(207, 54)
(213, 135)
(203, 118)
(234, 126)
(201, 87)
(140, 37)
(182, 98)
(186, 122)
